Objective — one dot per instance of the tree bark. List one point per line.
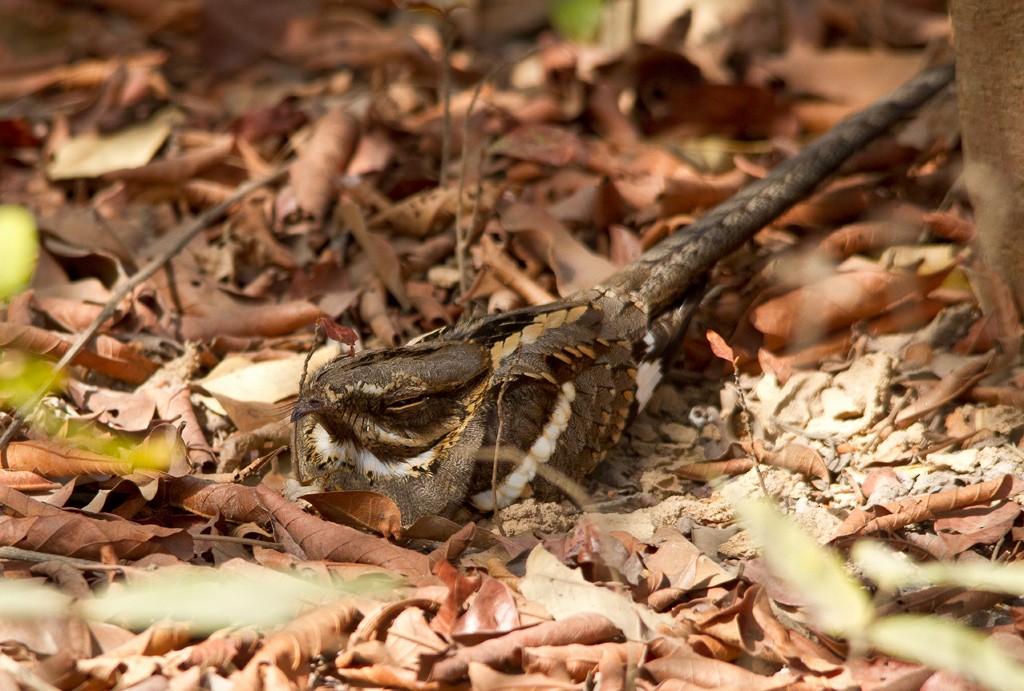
(990, 85)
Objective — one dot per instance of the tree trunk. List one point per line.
(990, 84)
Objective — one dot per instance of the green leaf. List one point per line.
(210, 600)
(24, 599)
(576, 19)
(20, 241)
(836, 601)
(22, 375)
(891, 571)
(942, 644)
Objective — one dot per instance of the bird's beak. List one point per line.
(305, 406)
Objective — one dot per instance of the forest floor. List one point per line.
(876, 390)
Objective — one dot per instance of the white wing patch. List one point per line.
(512, 486)
(365, 461)
(648, 376)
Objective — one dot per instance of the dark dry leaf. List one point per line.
(359, 509)
(42, 528)
(894, 515)
(507, 651)
(318, 539)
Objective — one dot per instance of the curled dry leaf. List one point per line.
(507, 650)
(576, 266)
(947, 389)
(106, 355)
(460, 588)
(319, 539)
(493, 258)
(359, 509)
(709, 470)
(43, 528)
(797, 458)
(26, 480)
(174, 404)
(52, 459)
(949, 227)
(839, 301)
(840, 203)
(179, 169)
(581, 660)
(978, 525)
(425, 213)
(373, 310)
(866, 236)
(309, 636)
(381, 254)
(236, 503)
(925, 507)
(265, 320)
(318, 168)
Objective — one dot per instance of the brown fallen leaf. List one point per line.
(317, 539)
(865, 236)
(898, 514)
(709, 470)
(317, 169)
(950, 227)
(379, 251)
(26, 480)
(53, 459)
(287, 650)
(373, 310)
(581, 660)
(483, 677)
(839, 301)
(410, 636)
(106, 355)
(425, 213)
(576, 266)
(507, 650)
(539, 143)
(39, 527)
(264, 320)
(796, 458)
(947, 389)
(235, 503)
(498, 263)
(701, 672)
(492, 611)
(977, 525)
(176, 170)
(359, 509)
(841, 202)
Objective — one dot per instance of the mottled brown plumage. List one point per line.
(474, 413)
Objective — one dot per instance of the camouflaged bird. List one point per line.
(476, 413)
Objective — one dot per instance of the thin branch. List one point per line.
(187, 233)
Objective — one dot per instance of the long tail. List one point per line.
(666, 271)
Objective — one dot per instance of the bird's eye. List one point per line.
(406, 403)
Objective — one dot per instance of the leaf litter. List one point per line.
(878, 363)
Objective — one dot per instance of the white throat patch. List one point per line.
(365, 462)
(513, 485)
